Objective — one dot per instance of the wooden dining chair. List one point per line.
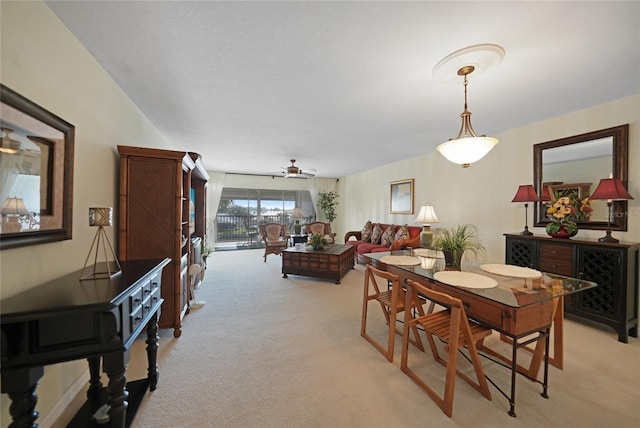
(392, 302)
(453, 327)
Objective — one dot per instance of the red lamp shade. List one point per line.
(546, 196)
(526, 193)
(610, 189)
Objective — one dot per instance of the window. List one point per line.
(241, 210)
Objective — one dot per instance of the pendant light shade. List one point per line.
(465, 151)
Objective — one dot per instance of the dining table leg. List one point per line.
(545, 383)
(514, 371)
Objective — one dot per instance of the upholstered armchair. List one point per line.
(275, 237)
(323, 229)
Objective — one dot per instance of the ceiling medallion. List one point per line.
(482, 57)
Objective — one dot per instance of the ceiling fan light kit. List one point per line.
(467, 147)
(8, 144)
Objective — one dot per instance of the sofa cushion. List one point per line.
(388, 236)
(368, 247)
(376, 234)
(367, 230)
(402, 233)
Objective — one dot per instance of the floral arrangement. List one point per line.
(317, 241)
(566, 210)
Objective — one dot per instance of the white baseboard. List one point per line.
(67, 398)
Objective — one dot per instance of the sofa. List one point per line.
(371, 238)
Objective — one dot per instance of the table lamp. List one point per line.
(297, 215)
(610, 189)
(426, 215)
(526, 193)
(102, 267)
(12, 211)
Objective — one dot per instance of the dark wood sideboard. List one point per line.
(68, 319)
(614, 266)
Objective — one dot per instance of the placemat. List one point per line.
(465, 279)
(511, 270)
(400, 260)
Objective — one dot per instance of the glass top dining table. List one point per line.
(529, 288)
(520, 303)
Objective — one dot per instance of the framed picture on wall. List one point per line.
(401, 197)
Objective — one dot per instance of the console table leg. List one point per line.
(20, 385)
(152, 351)
(115, 367)
(95, 385)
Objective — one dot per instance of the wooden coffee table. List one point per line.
(333, 262)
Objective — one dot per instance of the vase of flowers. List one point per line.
(566, 209)
(317, 241)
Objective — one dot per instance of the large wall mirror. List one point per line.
(36, 173)
(577, 164)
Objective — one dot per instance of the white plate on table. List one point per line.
(465, 279)
(511, 270)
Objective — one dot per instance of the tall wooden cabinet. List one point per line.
(199, 181)
(614, 266)
(154, 219)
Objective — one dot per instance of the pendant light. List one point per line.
(467, 147)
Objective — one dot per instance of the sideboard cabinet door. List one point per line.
(522, 252)
(607, 303)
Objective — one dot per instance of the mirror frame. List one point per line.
(63, 190)
(619, 169)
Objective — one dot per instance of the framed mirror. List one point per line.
(36, 173)
(577, 164)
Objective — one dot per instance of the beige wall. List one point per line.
(481, 194)
(44, 62)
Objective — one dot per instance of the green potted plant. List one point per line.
(317, 241)
(454, 241)
(327, 201)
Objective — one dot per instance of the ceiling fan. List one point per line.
(11, 146)
(293, 171)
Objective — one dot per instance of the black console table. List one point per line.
(68, 319)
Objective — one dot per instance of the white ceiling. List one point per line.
(346, 86)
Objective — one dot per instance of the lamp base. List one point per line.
(11, 224)
(526, 232)
(426, 237)
(101, 270)
(105, 268)
(608, 238)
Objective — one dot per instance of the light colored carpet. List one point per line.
(272, 352)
